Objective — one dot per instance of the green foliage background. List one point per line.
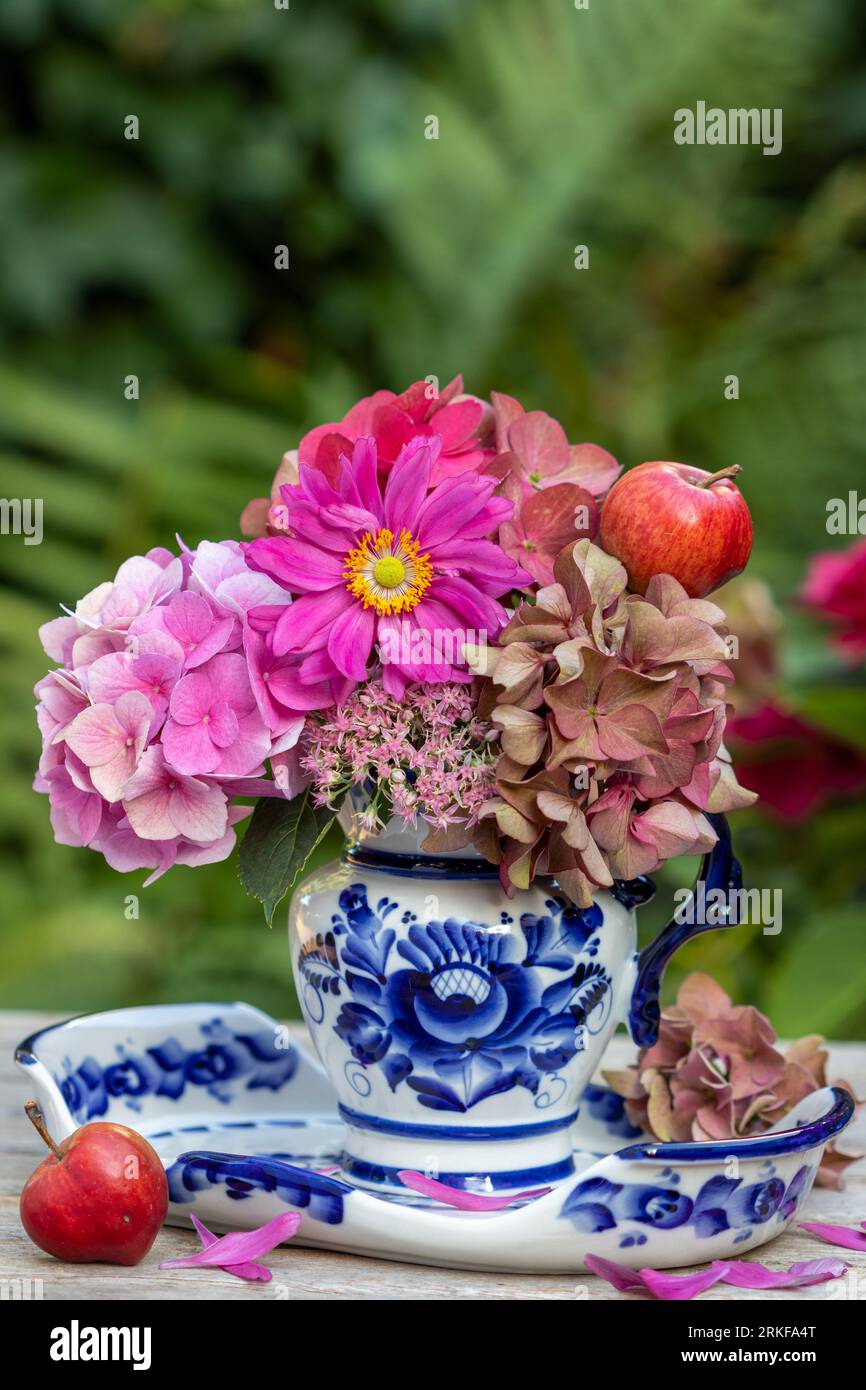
(409, 256)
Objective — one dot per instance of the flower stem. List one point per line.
(37, 1119)
(730, 472)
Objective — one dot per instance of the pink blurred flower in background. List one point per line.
(835, 589)
(794, 767)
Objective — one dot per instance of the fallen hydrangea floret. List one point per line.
(742, 1274)
(715, 1072)
(848, 1236)
(236, 1253)
(464, 1201)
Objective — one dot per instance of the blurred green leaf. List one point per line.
(840, 710)
(819, 981)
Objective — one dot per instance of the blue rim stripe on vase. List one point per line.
(474, 1133)
(407, 865)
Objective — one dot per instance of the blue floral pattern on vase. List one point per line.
(721, 1204)
(222, 1061)
(458, 1011)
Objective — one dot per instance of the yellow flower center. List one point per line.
(387, 573)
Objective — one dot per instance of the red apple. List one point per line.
(101, 1194)
(670, 518)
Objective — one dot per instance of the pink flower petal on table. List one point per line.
(847, 1236)
(741, 1274)
(678, 1287)
(253, 1272)
(465, 1201)
(240, 1247)
(749, 1274)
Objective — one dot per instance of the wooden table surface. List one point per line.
(316, 1274)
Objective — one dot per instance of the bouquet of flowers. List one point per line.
(441, 601)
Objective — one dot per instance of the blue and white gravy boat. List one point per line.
(243, 1118)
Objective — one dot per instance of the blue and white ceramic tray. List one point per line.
(243, 1119)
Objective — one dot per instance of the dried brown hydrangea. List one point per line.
(611, 707)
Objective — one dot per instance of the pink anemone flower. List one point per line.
(404, 566)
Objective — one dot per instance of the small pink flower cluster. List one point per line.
(150, 725)
(426, 754)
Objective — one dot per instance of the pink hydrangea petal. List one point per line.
(290, 691)
(229, 677)
(464, 1201)
(161, 804)
(191, 698)
(540, 443)
(243, 757)
(288, 774)
(57, 637)
(191, 621)
(95, 735)
(592, 467)
(197, 810)
(111, 778)
(219, 637)
(189, 748)
(223, 724)
(846, 1236)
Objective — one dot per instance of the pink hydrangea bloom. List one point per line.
(406, 566)
(151, 726)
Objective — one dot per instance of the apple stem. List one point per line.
(37, 1119)
(730, 472)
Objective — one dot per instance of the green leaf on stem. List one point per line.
(279, 840)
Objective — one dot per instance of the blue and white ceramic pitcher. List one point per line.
(459, 1026)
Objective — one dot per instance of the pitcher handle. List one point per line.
(719, 869)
